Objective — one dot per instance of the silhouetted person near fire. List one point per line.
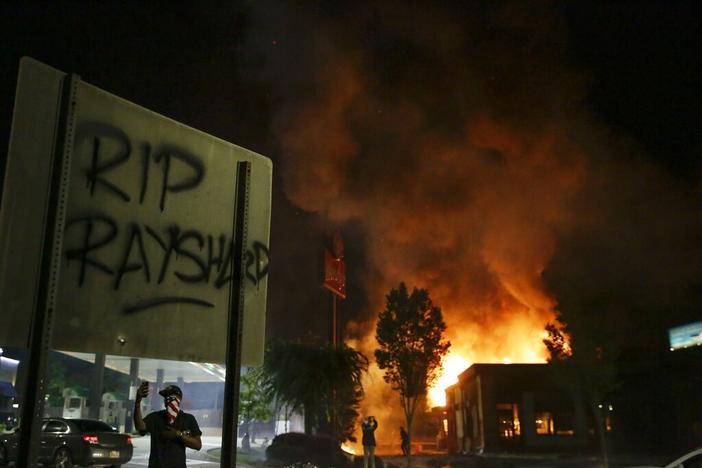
(405, 443)
(369, 425)
(171, 429)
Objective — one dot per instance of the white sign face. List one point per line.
(147, 242)
(25, 196)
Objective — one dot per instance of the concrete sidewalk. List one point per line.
(521, 461)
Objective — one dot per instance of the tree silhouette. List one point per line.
(323, 381)
(254, 400)
(586, 365)
(410, 335)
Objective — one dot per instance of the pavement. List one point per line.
(194, 458)
(201, 459)
(497, 460)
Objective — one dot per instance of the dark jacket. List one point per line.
(168, 453)
(369, 432)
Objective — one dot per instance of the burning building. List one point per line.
(461, 154)
(516, 407)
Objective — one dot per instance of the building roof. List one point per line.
(501, 370)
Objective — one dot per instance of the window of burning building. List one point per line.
(508, 420)
(564, 423)
(553, 423)
(554, 414)
(544, 423)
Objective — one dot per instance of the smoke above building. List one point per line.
(460, 139)
(455, 156)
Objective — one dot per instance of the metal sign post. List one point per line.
(43, 314)
(230, 416)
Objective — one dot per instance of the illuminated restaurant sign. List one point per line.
(685, 336)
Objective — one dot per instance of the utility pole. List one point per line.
(335, 282)
(335, 278)
(334, 328)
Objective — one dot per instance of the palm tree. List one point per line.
(321, 380)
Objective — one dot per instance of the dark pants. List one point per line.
(369, 452)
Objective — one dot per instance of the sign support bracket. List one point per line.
(230, 416)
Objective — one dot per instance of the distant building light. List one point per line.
(599, 406)
(5, 361)
(15, 405)
(685, 336)
(611, 408)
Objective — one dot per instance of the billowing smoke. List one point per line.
(459, 140)
(456, 155)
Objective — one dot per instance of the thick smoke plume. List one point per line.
(459, 140)
(457, 157)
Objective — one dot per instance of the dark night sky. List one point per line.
(621, 83)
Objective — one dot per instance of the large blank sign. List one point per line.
(146, 245)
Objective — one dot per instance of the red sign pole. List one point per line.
(333, 319)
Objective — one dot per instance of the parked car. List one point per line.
(8, 420)
(295, 448)
(689, 460)
(68, 442)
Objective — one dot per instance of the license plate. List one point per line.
(114, 453)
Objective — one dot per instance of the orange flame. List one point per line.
(451, 367)
(348, 449)
(519, 340)
(523, 345)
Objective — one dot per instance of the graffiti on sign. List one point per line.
(152, 253)
(145, 209)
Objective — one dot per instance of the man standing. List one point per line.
(171, 429)
(368, 427)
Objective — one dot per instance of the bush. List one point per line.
(322, 451)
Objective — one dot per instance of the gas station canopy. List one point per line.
(172, 370)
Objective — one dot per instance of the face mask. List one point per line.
(172, 404)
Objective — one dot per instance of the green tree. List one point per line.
(56, 382)
(254, 399)
(410, 335)
(322, 381)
